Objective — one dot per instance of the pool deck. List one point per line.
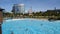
(30, 18)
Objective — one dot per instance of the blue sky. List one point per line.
(41, 5)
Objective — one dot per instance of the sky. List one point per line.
(37, 5)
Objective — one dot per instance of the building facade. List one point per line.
(18, 8)
(30, 11)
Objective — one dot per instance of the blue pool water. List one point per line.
(29, 26)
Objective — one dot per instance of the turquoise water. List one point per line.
(29, 26)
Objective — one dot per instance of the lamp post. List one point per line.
(1, 20)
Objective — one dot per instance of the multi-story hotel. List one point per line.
(18, 8)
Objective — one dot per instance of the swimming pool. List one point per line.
(30, 26)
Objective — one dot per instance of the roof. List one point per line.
(1, 9)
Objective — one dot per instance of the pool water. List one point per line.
(30, 26)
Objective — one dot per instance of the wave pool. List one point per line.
(30, 26)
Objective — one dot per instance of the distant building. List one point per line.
(55, 10)
(18, 8)
(30, 11)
